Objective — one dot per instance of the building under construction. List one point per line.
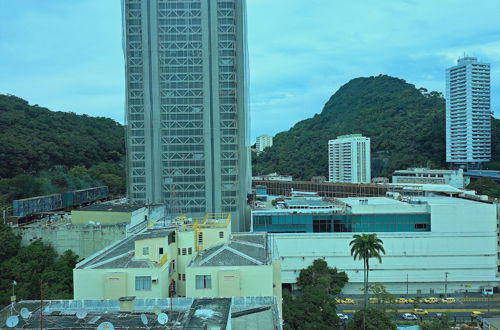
(324, 189)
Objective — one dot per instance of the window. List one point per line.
(184, 251)
(180, 277)
(200, 238)
(160, 251)
(145, 251)
(420, 226)
(183, 277)
(203, 281)
(190, 250)
(171, 267)
(221, 234)
(143, 283)
(179, 251)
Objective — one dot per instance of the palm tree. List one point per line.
(364, 247)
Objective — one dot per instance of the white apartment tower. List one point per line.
(263, 141)
(349, 159)
(186, 105)
(468, 114)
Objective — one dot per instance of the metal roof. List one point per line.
(105, 207)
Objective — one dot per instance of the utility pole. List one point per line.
(406, 285)
(446, 284)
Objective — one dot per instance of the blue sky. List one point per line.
(66, 54)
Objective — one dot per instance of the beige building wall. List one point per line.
(80, 217)
(185, 244)
(253, 281)
(116, 283)
(212, 236)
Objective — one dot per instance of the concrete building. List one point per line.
(349, 159)
(273, 177)
(453, 178)
(90, 229)
(438, 244)
(163, 262)
(135, 313)
(186, 106)
(263, 141)
(242, 266)
(468, 113)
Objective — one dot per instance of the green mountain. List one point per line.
(406, 126)
(33, 138)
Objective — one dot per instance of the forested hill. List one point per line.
(33, 138)
(406, 126)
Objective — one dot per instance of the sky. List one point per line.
(66, 55)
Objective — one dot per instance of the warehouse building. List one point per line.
(434, 245)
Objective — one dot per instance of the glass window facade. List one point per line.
(342, 223)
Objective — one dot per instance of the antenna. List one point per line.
(81, 314)
(25, 313)
(156, 310)
(12, 321)
(106, 326)
(162, 318)
(144, 319)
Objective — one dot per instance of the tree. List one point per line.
(364, 247)
(314, 306)
(485, 186)
(384, 297)
(371, 319)
(320, 274)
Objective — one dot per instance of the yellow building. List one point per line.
(194, 258)
(147, 264)
(239, 267)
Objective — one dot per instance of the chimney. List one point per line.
(127, 304)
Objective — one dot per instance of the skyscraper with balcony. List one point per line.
(349, 159)
(468, 114)
(186, 105)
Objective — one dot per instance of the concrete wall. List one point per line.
(83, 240)
(94, 283)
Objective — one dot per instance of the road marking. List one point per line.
(435, 310)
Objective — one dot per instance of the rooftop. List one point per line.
(245, 249)
(183, 313)
(105, 207)
(121, 253)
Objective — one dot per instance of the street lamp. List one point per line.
(446, 284)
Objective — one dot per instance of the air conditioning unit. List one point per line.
(154, 279)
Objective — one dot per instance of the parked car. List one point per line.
(431, 300)
(348, 301)
(343, 317)
(401, 301)
(338, 300)
(420, 311)
(449, 300)
(411, 301)
(409, 316)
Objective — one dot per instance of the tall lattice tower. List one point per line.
(186, 111)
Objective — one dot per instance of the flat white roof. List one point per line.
(371, 201)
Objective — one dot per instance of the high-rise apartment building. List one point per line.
(468, 113)
(263, 141)
(349, 159)
(186, 105)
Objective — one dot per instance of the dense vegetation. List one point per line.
(45, 152)
(406, 126)
(314, 306)
(34, 138)
(31, 267)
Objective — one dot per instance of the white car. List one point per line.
(409, 316)
(343, 317)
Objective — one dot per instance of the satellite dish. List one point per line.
(81, 315)
(156, 310)
(106, 326)
(162, 318)
(25, 313)
(12, 321)
(144, 319)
